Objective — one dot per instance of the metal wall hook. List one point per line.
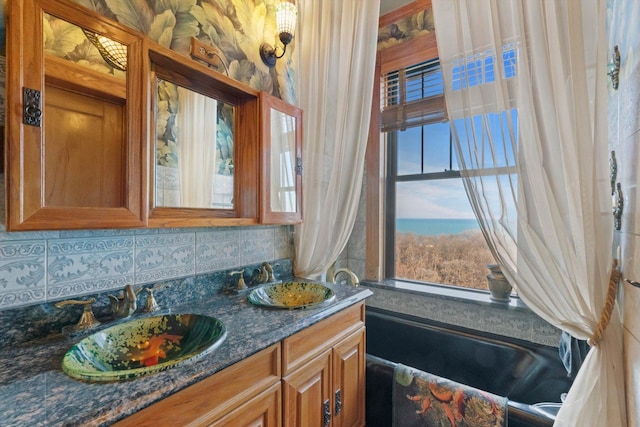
(613, 68)
(618, 205)
(632, 283)
(613, 166)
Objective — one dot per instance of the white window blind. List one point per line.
(413, 96)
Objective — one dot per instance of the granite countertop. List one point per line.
(36, 392)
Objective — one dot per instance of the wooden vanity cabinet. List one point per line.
(315, 377)
(244, 394)
(324, 373)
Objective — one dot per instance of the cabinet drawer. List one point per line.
(211, 398)
(298, 349)
(264, 410)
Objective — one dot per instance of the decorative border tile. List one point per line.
(73, 263)
(22, 273)
(257, 245)
(217, 250)
(283, 244)
(164, 256)
(83, 234)
(77, 267)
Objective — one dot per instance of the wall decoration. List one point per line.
(236, 27)
(406, 29)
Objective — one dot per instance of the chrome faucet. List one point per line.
(332, 274)
(125, 304)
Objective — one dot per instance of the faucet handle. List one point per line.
(241, 284)
(151, 304)
(87, 319)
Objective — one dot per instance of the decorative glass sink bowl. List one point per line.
(292, 295)
(143, 346)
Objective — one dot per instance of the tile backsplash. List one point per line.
(38, 267)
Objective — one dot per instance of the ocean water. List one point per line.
(434, 227)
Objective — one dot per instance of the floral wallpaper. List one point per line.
(406, 29)
(236, 27)
(68, 41)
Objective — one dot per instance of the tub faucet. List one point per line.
(125, 304)
(332, 274)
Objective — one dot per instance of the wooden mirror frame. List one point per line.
(186, 72)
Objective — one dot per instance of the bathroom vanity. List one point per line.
(314, 377)
(275, 367)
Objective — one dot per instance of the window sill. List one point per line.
(468, 308)
(473, 296)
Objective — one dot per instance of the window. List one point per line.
(431, 231)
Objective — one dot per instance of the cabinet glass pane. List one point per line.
(83, 122)
(283, 162)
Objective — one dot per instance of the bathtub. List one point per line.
(525, 373)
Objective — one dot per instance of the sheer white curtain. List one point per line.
(336, 44)
(196, 135)
(529, 114)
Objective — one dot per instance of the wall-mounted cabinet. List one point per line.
(151, 138)
(281, 148)
(75, 157)
(204, 132)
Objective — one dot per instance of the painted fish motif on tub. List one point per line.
(423, 399)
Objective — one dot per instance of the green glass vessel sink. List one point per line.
(292, 295)
(143, 346)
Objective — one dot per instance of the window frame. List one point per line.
(402, 55)
(392, 178)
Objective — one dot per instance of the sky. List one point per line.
(443, 198)
(446, 198)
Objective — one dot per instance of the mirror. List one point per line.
(194, 149)
(205, 144)
(283, 162)
(281, 146)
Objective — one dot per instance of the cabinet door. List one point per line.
(349, 381)
(75, 134)
(307, 394)
(261, 411)
(281, 148)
